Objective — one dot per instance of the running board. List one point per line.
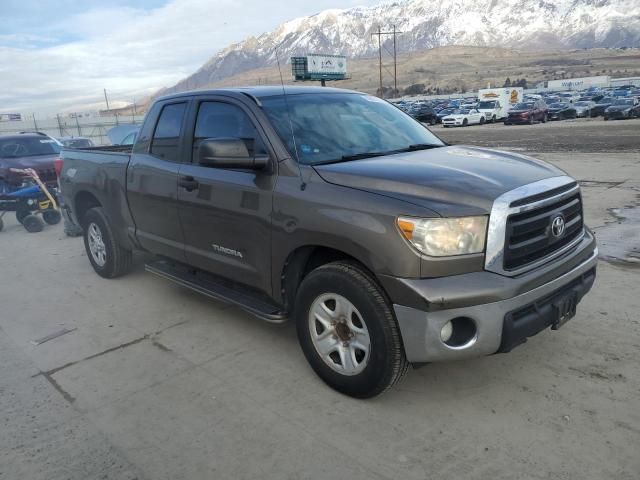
(260, 308)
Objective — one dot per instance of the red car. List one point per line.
(527, 112)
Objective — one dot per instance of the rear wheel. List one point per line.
(481, 120)
(21, 214)
(544, 119)
(32, 224)
(52, 217)
(107, 257)
(493, 119)
(348, 332)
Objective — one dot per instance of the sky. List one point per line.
(58, 55)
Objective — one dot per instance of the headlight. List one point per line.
(440, 237)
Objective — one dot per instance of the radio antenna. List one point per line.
(303, 184)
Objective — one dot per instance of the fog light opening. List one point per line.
(461, 332)
(446, 332)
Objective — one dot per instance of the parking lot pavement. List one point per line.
(586, 135)
(158, 382)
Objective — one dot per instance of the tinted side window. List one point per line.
(224, 120)
(166, 138)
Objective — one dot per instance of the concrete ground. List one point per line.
(157, 382)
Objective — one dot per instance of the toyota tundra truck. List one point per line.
(385, 245)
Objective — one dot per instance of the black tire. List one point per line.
(32, 223)
(118, 259)
(493, 119)
(1, 224)
(464, 122)
(481, 120)
(606, 118)
(531, 120)
(387, 363)
(544, 119)
(21, 214)
(52, 217)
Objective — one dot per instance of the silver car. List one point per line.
(583, 108)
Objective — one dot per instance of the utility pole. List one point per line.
(59, 124)
(35, 125)
(379, 34)
(395, 63)
(106, 99)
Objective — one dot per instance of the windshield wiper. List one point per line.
(416, 147)
(355, 156)
(360, 156)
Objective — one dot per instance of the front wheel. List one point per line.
(107, 257)
(481, 120)
(544, 119)
(465, 123)
(348, 332)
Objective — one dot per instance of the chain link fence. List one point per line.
(93, 127)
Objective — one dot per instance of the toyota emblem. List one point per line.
(557, 226)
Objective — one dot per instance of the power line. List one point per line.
(379, 34)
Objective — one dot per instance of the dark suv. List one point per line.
(424, 113)
(27, 150)
(527, 112)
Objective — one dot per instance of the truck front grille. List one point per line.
(529, 235)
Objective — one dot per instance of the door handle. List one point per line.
(188, 183)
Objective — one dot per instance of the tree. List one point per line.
(507, 82)
(415, 89)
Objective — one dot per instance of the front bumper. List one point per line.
(500, 324)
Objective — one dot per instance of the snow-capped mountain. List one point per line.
(528, 24)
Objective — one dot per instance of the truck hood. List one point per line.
(451, 181)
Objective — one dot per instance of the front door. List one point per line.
(152, 182)
(226, 213)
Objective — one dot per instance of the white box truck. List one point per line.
(496, 102)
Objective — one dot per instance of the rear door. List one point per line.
(226, 213)
(152, 179)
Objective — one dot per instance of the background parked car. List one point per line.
(527, 112)
(601, 105)
(463, 117)
(561, 111)
(76, 142)
(622, 108)
(583, 108)
(424, 113)
(443, 113)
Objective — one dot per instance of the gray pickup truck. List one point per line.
(385, 245)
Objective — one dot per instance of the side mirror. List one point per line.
(229, 153)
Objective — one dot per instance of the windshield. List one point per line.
(523, 106)
(626, 101)
(558, 105)
(328, 127)
(490, 104)
(27, 147)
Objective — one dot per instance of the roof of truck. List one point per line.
(263, 91)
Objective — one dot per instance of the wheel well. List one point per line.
(84, 202)
(304, 260)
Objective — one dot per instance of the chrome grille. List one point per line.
(519, 234)
(529, 235)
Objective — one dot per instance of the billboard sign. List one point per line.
(10, 117)
(331, 64)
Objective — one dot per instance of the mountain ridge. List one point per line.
(523, 24)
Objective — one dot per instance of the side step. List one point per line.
(187, 278)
